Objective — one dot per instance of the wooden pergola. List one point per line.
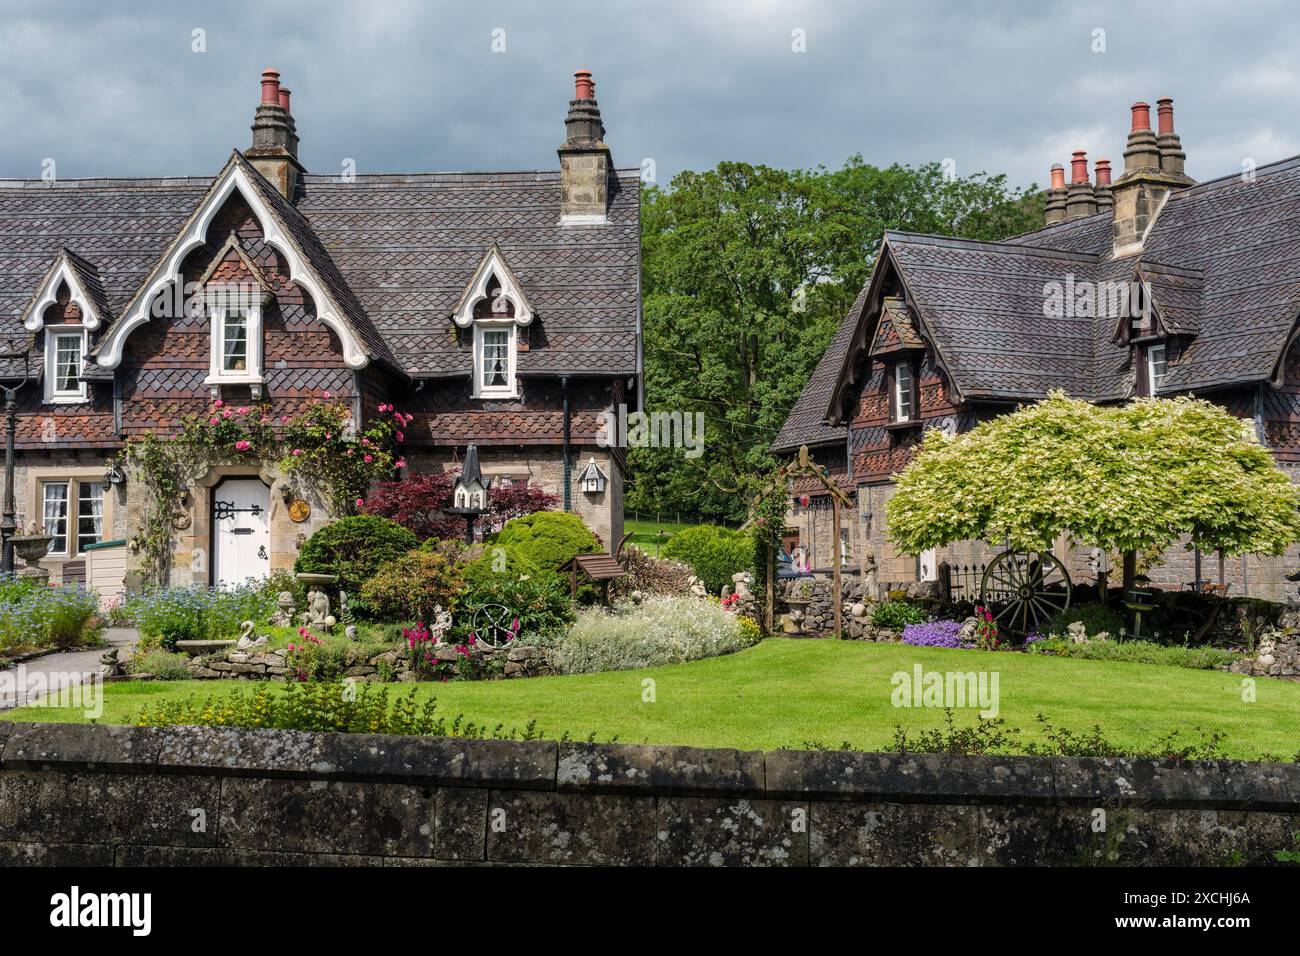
(804, 467)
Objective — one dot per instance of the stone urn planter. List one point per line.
(32, 548)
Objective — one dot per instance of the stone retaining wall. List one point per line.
(390, 665)
(131, 796)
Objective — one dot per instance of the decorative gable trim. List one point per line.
(235, 177)
(492, 264)
(233, 245)
(61, 271)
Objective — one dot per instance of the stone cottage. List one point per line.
(500, 309)
(1151, 285)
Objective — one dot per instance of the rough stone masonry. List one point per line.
(133, 796)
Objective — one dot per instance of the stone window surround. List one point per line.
(37, 478)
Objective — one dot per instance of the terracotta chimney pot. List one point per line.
(1165, 112)
(284, 98)
(1058, 176)
(271, 87)
(1079, 166)
(1103, 172)
(584, 87)
(1141, 116)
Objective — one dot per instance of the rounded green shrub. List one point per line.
(355, 549)
(714, 553)
(413, 586)
(547, 539)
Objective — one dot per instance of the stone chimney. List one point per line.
(274, 152)
(1056, 196)
(1141, 191)
(1080, 201)
(1102, 188)
(585, 163)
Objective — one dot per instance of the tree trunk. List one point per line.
(1130, 573)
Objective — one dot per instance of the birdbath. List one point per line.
(32, 548)
(798, 601)
(318, 602)
(470, 515)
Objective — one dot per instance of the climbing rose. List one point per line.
(360, 502)
(241, 410)
(369, 459)
(242, 445)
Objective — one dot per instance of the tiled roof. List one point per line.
(394, 251)
(1222, 264)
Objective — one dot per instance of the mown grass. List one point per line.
(787, 693)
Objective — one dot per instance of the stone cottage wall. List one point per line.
(132, 796)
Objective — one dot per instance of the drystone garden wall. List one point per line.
(132, 796)
(390, 665)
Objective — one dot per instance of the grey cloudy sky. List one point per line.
(115, 89)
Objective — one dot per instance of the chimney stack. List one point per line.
(1172, 157)
(1102, 188)
(1056, 196)
(1080, 201)
(585, 162)
(1152, 167)
(274, 152)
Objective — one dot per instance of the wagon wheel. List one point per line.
(491, 624)
(1024, 589)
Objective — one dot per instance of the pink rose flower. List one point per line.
(241, 410)
(297, 453)
(213, 420)
(327, 394)
(401, 437)
(242, 445)
(218, 403)
(225, 413)
(368, 459)
(360, 502)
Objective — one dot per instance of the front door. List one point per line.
(241, 532)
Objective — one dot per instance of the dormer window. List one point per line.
(495, 307)
(1157, 364)
(236, 348)
(904, 393)
(64, 349)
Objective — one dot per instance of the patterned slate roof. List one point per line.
(1221, 262)
(394, 252)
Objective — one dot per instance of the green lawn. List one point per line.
(646, 534)
(786, 692)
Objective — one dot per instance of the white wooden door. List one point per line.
(241, 532)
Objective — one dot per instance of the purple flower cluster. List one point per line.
(1034, 638)
(934, 634)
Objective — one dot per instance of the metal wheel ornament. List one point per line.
(1024, 589)
(491, 623)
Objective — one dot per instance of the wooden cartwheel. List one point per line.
(1025, 589)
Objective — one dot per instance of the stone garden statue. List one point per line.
(696, 587)
(318, 610)
(743, 581)
(109, 665)
(287, 610)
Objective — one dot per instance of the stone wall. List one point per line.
(132, 796)
(1278, 651)
(368, 667)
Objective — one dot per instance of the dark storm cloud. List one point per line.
(1008, 87)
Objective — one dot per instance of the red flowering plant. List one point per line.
(986, 630)
(419, 502)
(323, 444)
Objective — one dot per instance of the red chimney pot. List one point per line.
(1103, 172)
(1141, 116)
(1058, 176)
(284, 98)
(1079, 167)
(1165, 111)
(271, 87)
(584, 87)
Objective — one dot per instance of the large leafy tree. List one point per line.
(748, 272)
(1125, 478)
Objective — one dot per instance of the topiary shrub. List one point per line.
(355, 548)
(713, 553)
(547, 539)
(412, 586)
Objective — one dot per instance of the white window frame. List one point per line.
(900, 392)
(217, 374)
(68, 488)
(53, 395)
(75, 516)
(1154, 382)
(511, 388)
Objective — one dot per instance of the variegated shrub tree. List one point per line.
(1128, 478)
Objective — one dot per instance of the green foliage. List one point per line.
(196, 613)
(714, 553)
(547, 539)
(541, 605)
(1137, 652)
(1096, 618)
(1122, 478)
(896, 615)
(750, 632)
(33, 617)
(497, 561)
(367, 709)
(164, 665)
(412, 586)
(355, 548)
(661, 630)
(323, 447)
(748, 271)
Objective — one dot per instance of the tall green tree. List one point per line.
(748, 271)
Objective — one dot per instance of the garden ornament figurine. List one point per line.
(109, 665)
(246, 639)
(318, 610)
(696, 587)
(287, 610)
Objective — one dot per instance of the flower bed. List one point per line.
(35, 616)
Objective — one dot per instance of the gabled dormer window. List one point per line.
(495, 307)
(1157, 365)
(236, 346)
(65, 347)
(904, 393)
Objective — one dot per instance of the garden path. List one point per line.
(56, 671)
